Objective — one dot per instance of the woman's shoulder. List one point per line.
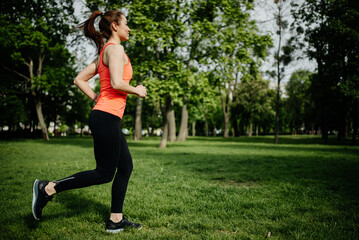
(114, 48)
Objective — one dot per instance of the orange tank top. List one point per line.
(111, 100)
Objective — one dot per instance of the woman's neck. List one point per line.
(114, 39)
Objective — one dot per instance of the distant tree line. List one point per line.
(200, 61)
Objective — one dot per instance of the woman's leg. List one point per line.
(119, 186)
(104, 128)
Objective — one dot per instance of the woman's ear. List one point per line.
(114, 26)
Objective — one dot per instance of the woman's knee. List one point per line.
(106, 176)
(125, 170)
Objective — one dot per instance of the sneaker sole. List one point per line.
(118, 230)
(35, 195)
(114, 230)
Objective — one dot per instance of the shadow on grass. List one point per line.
(283, 139)
(330, 174)
(153, 142)
(72, 205)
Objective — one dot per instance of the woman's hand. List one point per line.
(141, 91)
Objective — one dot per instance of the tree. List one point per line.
(253, 101)
(30, 31)
(236, 49)
(331, 33)
(299, 100)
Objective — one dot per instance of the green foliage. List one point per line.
(331, 31)
(30, 28)
(205, 188)
(299, 99)
(253, 102)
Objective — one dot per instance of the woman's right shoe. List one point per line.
(120, 226)
(39, 198)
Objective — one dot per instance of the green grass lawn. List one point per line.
(205, 188)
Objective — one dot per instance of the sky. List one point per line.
(263, 13)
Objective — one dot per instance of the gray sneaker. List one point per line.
(39, 198)
(120, 226)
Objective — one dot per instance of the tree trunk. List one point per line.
(183, 132)
(55, 125)
(166, 116)
(214, 131)
(355, 127)
(206, 127)
(235, 126)
(137, 136)
(40, 116)
(257, 130)
(324, 129)
(37, 100)
(153, 120)
(346, 126)
(226, 125)
(355, 132)
(193, 128)
(225, 107)
(250, 129)
(171, 126)
(163, 143)
(279, 23)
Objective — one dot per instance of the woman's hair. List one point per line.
(104, 25)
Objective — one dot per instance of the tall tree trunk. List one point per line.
(214, 132)
(55, 125)
(171, 126)
(346, 125)
(163, 143)
(153, 119)
(355, 125)
(226, 124)
(355, 132)
(193, 128)
(137, 136)
(257, 130)
(206, 126)
(40, 116)
(324, 127)
(183, 132)
(279, 77)
(312, 133)
(235, 126)
(250, 129)
(36, 98)
(166, 116)
(225, 107)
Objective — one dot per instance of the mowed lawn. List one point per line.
(204, 188)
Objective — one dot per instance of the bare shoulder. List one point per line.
(117, 52)
(116, 49)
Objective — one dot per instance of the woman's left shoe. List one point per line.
(120, 226)
(39, 198)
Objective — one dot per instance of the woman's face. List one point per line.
(123, 30)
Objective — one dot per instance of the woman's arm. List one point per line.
(116, 62)
(81, 81)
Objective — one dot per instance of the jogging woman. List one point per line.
(110, 146)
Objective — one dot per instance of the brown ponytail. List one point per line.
(104, 25)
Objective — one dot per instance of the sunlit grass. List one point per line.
(204, 188)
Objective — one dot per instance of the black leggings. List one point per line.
(111, 152)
